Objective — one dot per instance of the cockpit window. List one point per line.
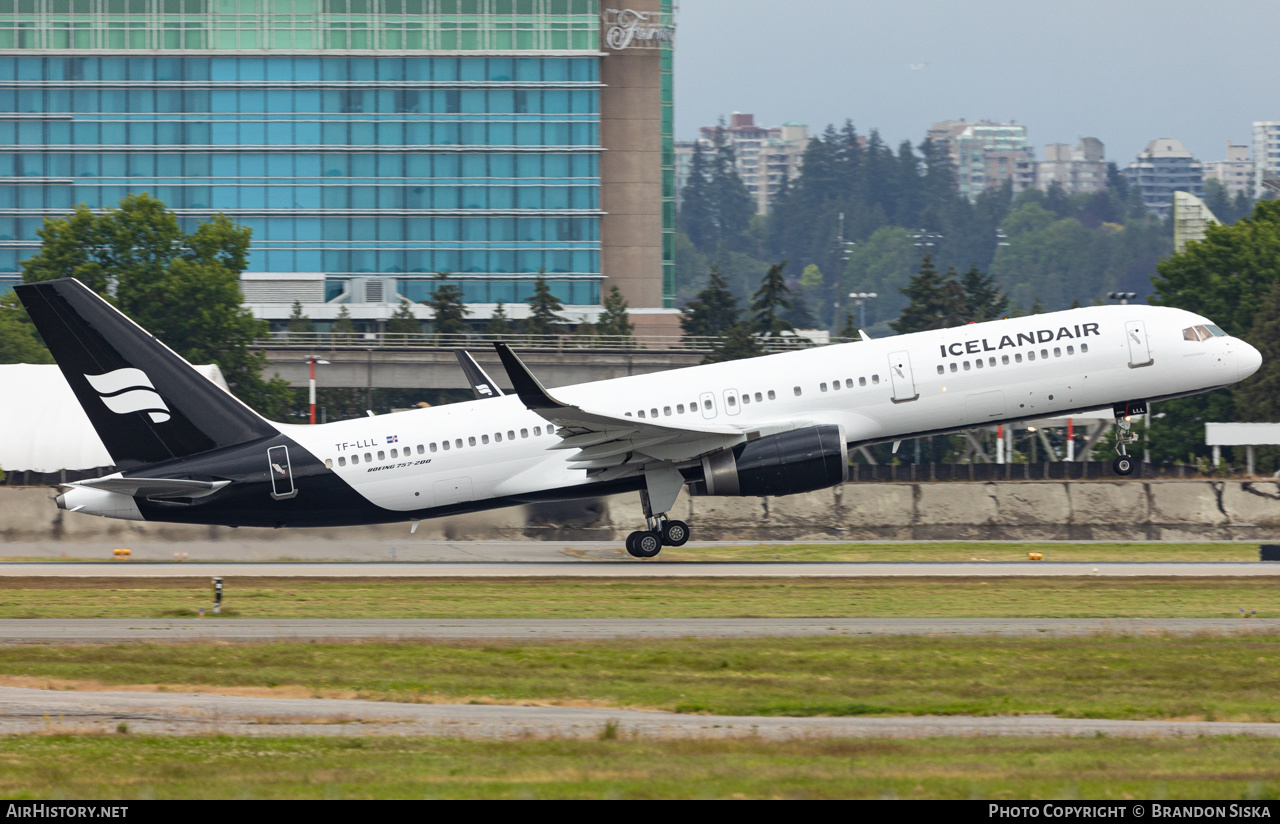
(1203, 332)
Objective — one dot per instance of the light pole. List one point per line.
(312, 360)
(862, 298)
(1123, 297)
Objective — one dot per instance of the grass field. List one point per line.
(970, 550)
(127, 767)
(1212, 678)
(1084, 597)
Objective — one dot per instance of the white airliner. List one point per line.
(188, 452)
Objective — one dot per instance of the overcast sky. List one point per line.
(1124, 71)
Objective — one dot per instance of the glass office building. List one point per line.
(361, 140)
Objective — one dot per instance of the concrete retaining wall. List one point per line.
(1046, 510)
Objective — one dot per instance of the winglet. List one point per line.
(481, 383)
(530, 390)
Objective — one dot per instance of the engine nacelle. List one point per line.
(801, 460)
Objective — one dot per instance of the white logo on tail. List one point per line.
(123, 392)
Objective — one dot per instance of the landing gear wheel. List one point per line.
(644, 544)
(675, 533)
(1123, 465)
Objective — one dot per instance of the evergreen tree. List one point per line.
(732, 206)
(343, 330)
(928, 301)
(614, 322)
(799, 316)
(543, 307)
(983, 299)
(770, 302)
(695, 219)
(449, 310)
(1037, 308)
(737, 343)
(713, 312)
(403, 321)
(850, 329)
(499, 324)
(299, 324)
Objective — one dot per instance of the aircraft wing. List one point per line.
(481, 383)
(610, 443)
(153, 487)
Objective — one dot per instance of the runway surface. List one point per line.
(107, 630)
(58, 711)
(630, 569)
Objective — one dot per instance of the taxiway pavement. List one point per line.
(24, 710)
(115, 630)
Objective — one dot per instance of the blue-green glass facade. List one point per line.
(483, 166)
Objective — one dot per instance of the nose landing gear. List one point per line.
(1125, 435)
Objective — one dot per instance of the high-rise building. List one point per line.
(1163, 168)
(369, 144)
(1077, 170)
(986, 154)
(1266, 158)
(1235, 173)
(764, 156)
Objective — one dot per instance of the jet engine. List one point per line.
(801, 460)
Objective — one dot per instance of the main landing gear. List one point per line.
(647, 543)
(1125, 435)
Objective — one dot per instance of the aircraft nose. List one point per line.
(1249, 360)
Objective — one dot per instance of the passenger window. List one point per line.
(457, 443)
(382, 456)
(628, 414)
(537, 432)
(1071, 350)
(653, 413)
(966, 366)
(772, 396)
(511, 434)
(991, 361)
(731, 400)
(355, 459)
(863, 381)
(848, 383)
(693, 407)
(1044, 354)
(446, 445)
(433, 447)
(497, 437)
(395, 453)
(1004, 359)
(835, 384)
(1057, 353)
(875, 379)
(484, 439)
(941, 369)
(758, 398)
(640, 414)
(524, 433)
(342, 461)
(954, 368)
(978, 363)
(679, 409)
(706, 404)
(1031, 355)
(328, 463)
(796, 390)
(421, 450)
(1018, 357)
(666, 411)
(1084, 347)
(368, 458)
(823, 386)
(551, 430)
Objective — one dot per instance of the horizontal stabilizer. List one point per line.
(153, 487)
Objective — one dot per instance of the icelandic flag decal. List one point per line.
(393, 439)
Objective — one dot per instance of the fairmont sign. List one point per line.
(627, 28)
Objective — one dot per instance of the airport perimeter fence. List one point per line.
(326, 341)
(863, 473)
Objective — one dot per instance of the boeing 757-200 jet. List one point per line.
(186, 451)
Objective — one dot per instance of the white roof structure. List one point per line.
(43, 428)
(1242, 434)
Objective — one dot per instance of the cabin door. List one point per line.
(281, 473)
(1135, 331)
(900, 376)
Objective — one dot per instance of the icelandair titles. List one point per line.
(973, 347)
